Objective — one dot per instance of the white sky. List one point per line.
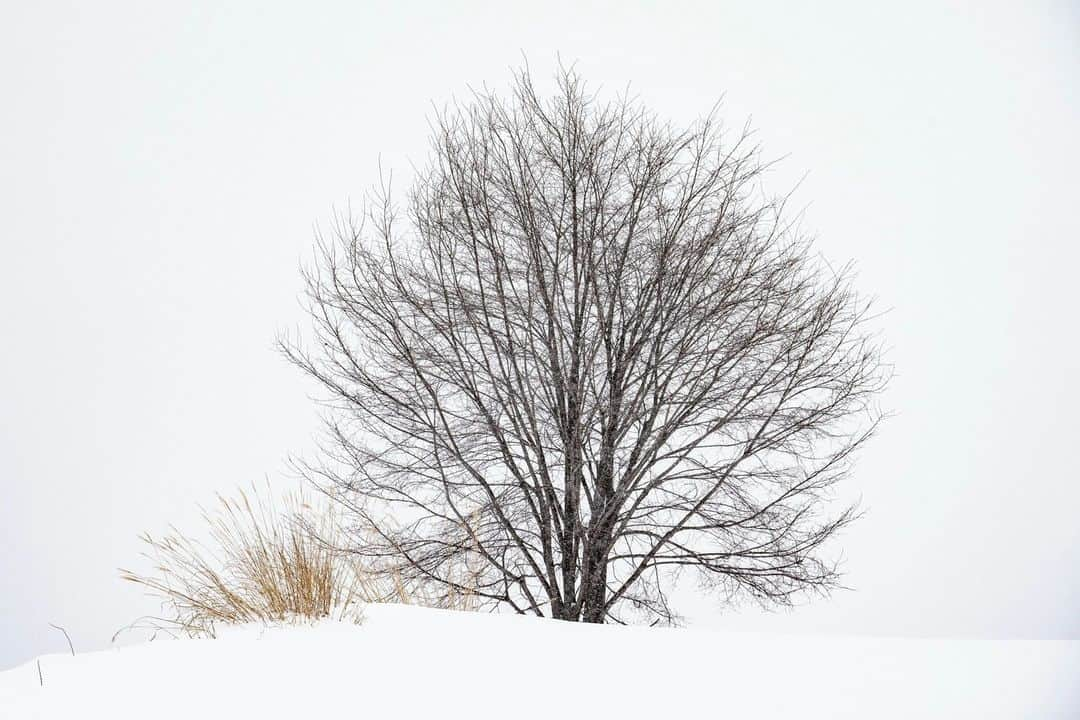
(162, 165)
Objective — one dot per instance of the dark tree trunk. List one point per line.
(594, 565)
(594, 590)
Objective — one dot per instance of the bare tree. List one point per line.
(590, 354)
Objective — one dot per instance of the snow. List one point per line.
(416, 663)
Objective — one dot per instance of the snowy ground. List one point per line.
(408, 662)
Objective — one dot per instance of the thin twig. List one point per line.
(70, 646)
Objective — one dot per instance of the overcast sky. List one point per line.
(162, 166)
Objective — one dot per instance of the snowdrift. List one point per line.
(409, 662)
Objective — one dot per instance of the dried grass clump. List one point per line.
(265, 565)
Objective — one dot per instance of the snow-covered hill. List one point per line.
(408, 662)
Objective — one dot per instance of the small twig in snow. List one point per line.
(70, 646)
